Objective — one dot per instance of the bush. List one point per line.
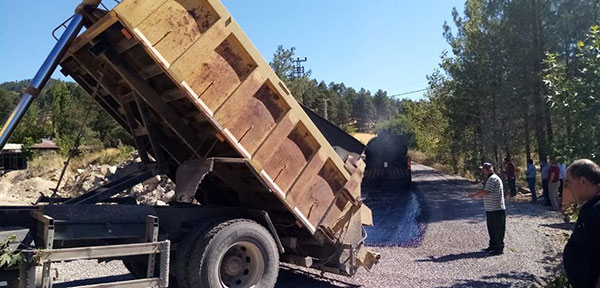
(9, 257)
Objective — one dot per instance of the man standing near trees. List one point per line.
(493, 202)
(530, 176)
(581, 256)
(509, 169)
(554, 184)
(545, 171)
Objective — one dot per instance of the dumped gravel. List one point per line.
(453, 232)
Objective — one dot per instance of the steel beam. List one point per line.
(41, 78)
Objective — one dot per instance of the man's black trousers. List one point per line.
(496, 224)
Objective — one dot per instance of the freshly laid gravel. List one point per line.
(449, 238)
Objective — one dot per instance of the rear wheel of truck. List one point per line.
(236, 253)
(186, 246)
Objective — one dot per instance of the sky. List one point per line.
(385, 44)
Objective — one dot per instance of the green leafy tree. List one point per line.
(282, 63)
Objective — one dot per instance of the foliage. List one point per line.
(352, 110)
(498, 94)
(8, 257)
(61, 111)
(575, 93)
(26, 148)
(561, 281)
(572, 212)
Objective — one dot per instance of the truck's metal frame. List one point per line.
(47, 255)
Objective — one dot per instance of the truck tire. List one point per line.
(186, 246)
(235, 253)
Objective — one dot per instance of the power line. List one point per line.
(407, 93)
(298, 68)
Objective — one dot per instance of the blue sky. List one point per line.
(384, 44)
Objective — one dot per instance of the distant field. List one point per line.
(364, 137)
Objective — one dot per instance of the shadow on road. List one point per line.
(94, 281)
(291, 278)
(561, 226)
(454, 257)
(500, 280)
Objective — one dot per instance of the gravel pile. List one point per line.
(158, 190)
(450, 252)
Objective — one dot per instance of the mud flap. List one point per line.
(367, 258)
(189, 176)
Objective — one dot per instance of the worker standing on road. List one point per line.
(563, 176)
(509, 169)
(554, 184)
(493, 201)
(581, 256)
(545, 172)
(531, 182)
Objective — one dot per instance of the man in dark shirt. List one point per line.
(581, 256)
(509, 169)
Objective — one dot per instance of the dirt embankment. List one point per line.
(85, 173)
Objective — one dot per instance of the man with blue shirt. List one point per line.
(531, 182)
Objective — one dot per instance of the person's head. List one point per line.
(529, 161)
(486, 168)
(583, 179)
(506, 160)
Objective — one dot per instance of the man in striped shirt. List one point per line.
(493, 202)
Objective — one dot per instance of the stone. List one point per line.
(153, 180)
(168, 196)
(137, 190)
(104, 169)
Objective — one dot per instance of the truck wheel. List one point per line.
(186, 247)
(236, 253)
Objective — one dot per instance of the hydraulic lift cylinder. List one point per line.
(41, 77)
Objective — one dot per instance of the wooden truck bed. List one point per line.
(185, 71)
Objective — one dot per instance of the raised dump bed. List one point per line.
(205, 107)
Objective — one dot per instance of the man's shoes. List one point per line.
(488, 249)
(495, 252)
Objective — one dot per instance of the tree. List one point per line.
(282, 63)
(575, 95)
(383, 106)
(7, 103)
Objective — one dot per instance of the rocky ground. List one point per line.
(24, 187)
(430, 236)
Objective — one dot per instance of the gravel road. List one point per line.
(431, 236)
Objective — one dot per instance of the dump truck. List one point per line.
(387, 161)
(257, 182)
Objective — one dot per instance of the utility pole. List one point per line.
(298, 68)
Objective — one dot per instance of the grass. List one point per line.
(44, 164)
(110, 156)
(364, 137)
(49, 163)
